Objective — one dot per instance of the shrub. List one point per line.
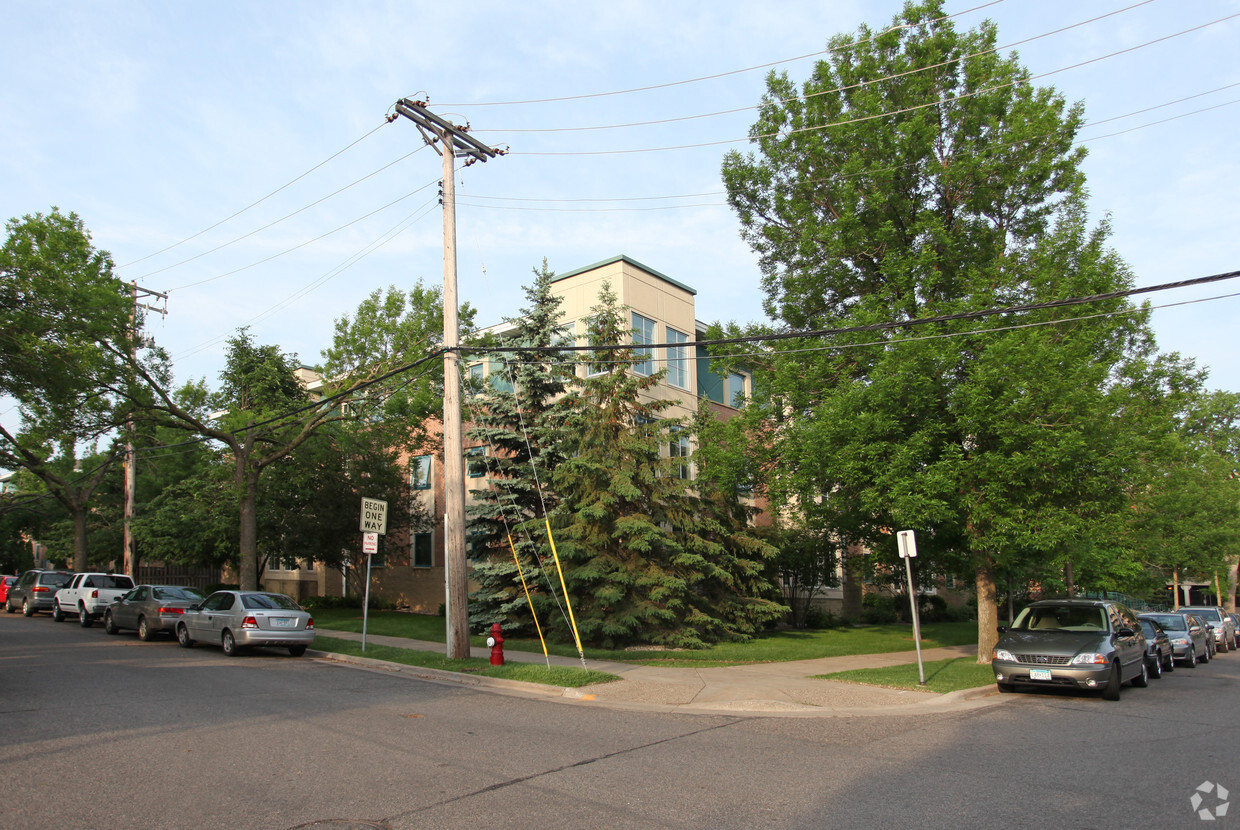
(331, 602)
(818, 618)
(878, 609)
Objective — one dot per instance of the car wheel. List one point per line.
(229, 642)
(1205, 658)
(1191, 660)
(1156, 667)
(84, 619)
(57, 614)
(183, 638)
(145, 634)
(109, 624)
(297, 651)
(1142, 680)
(27, 610)
(1169, 662)
(1111, 690)
(8, 607)
(1006, 688)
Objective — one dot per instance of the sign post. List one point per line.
(373, 524)
(907, 542)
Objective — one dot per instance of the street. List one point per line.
(106, 731)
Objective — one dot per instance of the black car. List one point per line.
(1072, 643)
(35, 591)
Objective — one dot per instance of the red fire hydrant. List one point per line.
(496, 642)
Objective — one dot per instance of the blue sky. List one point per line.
(155, 121)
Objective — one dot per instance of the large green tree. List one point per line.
(920, 173)
(65, 323)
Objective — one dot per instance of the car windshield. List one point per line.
(174, 592)
(1171, 622)
(272, 601)
(1062, 617)
(1149, 629)
(1210, 614)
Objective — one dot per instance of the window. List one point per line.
(677, 360)
(284, 562)
(679, 448)
(643, 333)
(736, 390)
(477, 375)
(501, 373)
(603, 357)
(423, 550)
(420, 473)
(475, 462)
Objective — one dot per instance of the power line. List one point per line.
(699, 79)
(255, 203)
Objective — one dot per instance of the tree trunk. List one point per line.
(850, 583)
(80, 550)
(1233, 573)
(247, 565)
(1069, 582)
(987, 608)
(1175, 588)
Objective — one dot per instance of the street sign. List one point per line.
(374, 516)
(370, 543)
(908, 544)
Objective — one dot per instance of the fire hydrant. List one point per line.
(496, 642)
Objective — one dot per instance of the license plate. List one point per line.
(1039, 674)
(288, 622)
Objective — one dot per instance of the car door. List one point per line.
(1130, 645)
(215, 616)
(125, 610)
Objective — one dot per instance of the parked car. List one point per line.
(1211, 641)
(88, 595)
(1216, 618)
(5, 582)
(1158, 652)
(150, 609)
(240, 619)
(35, 591)
(1189, 640)
(1072, 643)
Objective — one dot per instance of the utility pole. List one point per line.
(451, 142)
(129, 563)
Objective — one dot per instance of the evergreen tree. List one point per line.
(518, 418)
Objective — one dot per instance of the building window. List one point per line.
(679, 448)
(475, 462)
(736, 390)
(420, 475)
(643, 333)
(501, 373)
(598, 362)
(423, 550)
(677, 360)
(283, 562)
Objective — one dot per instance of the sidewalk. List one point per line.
(773, 689)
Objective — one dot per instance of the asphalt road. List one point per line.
(109, 732)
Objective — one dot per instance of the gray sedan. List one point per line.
(1188, 636)
(150, 609)
(240, 619)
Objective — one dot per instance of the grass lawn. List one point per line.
(775, 647)
(528, 672)
(942, 676)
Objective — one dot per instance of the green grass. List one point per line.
(775, 647)
(528, 672)
(942, 676)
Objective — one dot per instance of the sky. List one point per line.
(235, 156)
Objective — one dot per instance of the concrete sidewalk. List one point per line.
(773, 689)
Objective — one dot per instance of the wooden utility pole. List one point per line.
(451, 141)
(129, 562)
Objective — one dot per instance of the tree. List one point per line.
(519, 419)
(65, 319)
(919, 173)
(644, 560)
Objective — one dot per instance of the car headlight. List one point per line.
(1090, 657)
(1004, 655)
(1179, 641)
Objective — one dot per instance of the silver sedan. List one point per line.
(239, 619)
(150, 609)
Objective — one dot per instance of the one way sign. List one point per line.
(374, 516)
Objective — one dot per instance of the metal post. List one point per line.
(912, 601)
(366, 603)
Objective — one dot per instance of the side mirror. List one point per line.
(1126, 632)
(1002, 629)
